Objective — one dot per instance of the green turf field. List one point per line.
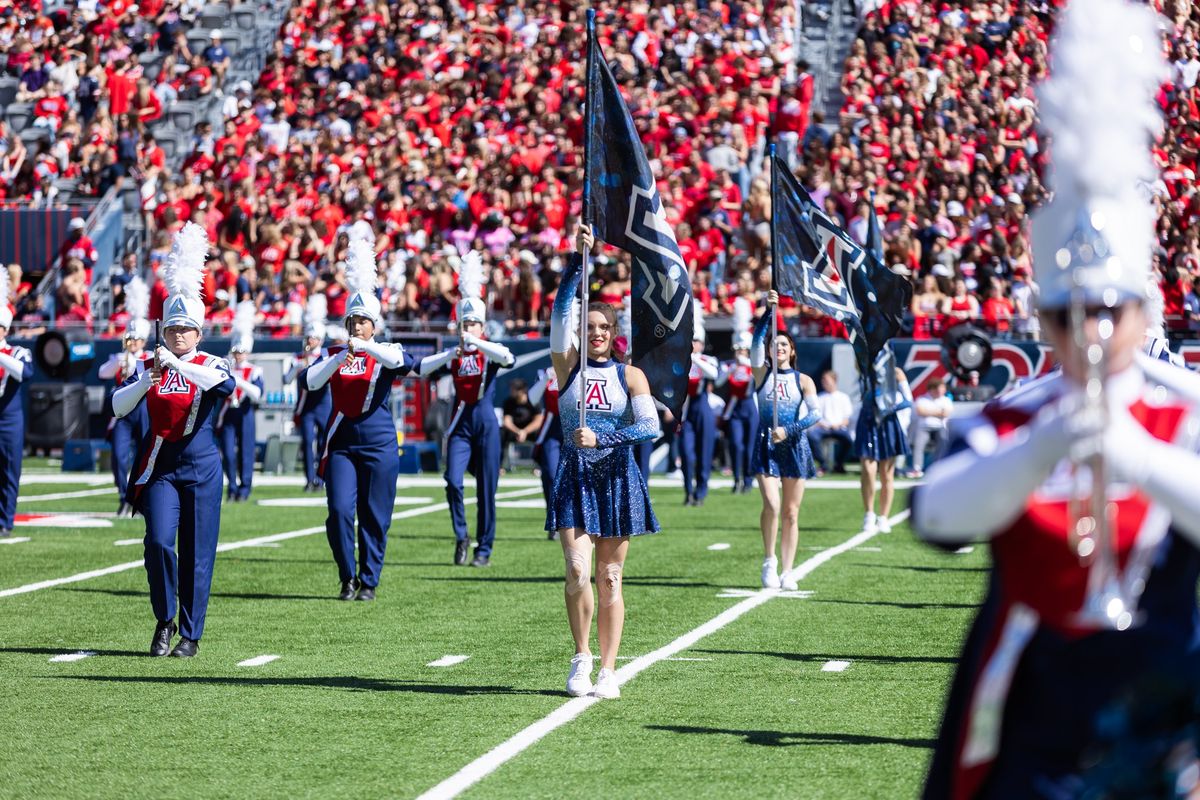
(351, 709)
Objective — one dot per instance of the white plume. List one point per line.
(697, 320)
(243, 321)
(743, 316)
(1098, 107)
(471, 276)
(137, 299)
(183, 274)
(625, 320)
(360, 267)
(4, 290)
(1154, 310)
(316, 311)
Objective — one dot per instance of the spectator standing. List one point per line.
(930, 426)
(834, 425)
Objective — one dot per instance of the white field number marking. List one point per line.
(14, 540)
(835, 666)
(257, 661)
(68, 657)
(719, 546)
(447, 661)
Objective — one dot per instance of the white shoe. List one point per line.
(770, 575)
(869, 523)
(579, 682)
(606, 685)
(787, 582)
(884, 524)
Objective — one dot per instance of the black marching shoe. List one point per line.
(552, 536)
(160, 645)
(5, 533)
(460, 552)
(365, 593)
(348, 589)
(481, 561)
(688, 500)
(186, 648)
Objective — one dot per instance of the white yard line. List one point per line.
(719, 546)
(835, 666)
(257, 661)
(128, 542)
(489, 762)
(14, 540)
(68, 657)
(41, 498)
(255, 542)
(447, 661)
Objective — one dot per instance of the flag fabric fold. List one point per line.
(624, 209)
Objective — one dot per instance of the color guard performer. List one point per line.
(16, 365)
(125, 433)
(236, 421)
(473, 436)
(698, 430)
(600, 497)
(1081, 674)
(782, 457)
(361, 458)
(176, 484)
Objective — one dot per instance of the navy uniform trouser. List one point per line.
(474, 446)
(237, 451)
(183, 506)
(361, 478)
(547, 454)
(697, 437)
(312, 439)
(12, 444)
(641, 453)
(740, 430)
(124, 447)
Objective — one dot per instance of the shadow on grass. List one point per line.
(894, 604)
(345, 682)
(914, 568)
(661, 581)
(823, 657)
(225, 595)
(58, 651)
(792, 739)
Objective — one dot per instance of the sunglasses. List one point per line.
(1061, 317)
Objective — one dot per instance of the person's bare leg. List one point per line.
(789, 535)
(577, 551)
(887, 489)
(610, 563)
(768, 520)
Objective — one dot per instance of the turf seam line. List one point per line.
(490, 761)
(39, 498)
(224, 548)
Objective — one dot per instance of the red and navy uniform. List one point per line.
(313, 409)
(1040, 693)
(360, 462)
(124, 433)
(741, 420)
(176, 485)
(12, 432)
(697, 435)
(548, 445)
(237, 431)
(473, 444)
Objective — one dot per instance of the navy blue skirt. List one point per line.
(606, 498)
(879, 441)
(785, 460)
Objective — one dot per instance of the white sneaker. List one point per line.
(787, 582)
(579, 682)
(770, 575)
(606, 685)
(869, 522)
(885, 525)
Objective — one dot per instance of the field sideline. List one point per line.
(833, 691)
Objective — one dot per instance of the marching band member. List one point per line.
(781, 454)
(600, 497)
(880, 438)
(235, 422)
(15, 366)
(1079, 677)
(124, 433)
(361, 460)
(176, 484)
(548, 444)
(698, 431)
(741, 415)
(312, 407)
(473, 436)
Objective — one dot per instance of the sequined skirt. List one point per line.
(785, 460)
(880, 441)
(606, 497)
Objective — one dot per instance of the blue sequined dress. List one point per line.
(791, 458)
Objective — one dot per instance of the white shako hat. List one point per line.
(743, 316)
(362, 277)
(183, 275)
(471, 278)
(243, 327)
(137, 303)
(315, 312)
(1096, 235)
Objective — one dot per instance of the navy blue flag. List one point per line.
(885, 296)
(874, 243)
(622, 205)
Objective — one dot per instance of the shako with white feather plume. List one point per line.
(471, 278)
(243, 327)
(137, 303)
(5, 313)
(363, 279)
(743, 322)
(1097, 233)
(698, 330)
(316, 310)
(183, 275)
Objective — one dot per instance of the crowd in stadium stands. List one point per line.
(458, 125)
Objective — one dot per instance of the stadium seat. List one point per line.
(184, 115)
(245, 17)
(8, 91)
(31, 135)
(19, 115)
(214, 16)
